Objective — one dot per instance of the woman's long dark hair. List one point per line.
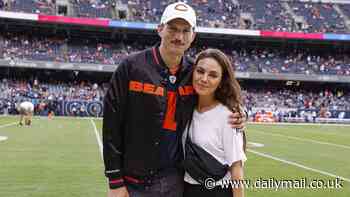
(229, 91)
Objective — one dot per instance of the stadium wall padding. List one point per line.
(92, 108)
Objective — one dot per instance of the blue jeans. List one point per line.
(168, 186)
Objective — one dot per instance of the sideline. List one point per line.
(98, 138)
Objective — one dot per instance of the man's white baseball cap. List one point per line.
(179, 10)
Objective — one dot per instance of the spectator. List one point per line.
(265, 60)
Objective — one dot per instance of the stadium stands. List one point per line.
(265, 14)
(287, 61)
(321, 17)
(281, 101)
(33, 6)
(261, 59)
(2, 4)
(303, 105)
(51, 95)
(283, 98)
(26, 47)
(145, 11)
(12, 89)
(346, 9)
(93, 9)
(268, 15)
(217, 14)
(61, 49)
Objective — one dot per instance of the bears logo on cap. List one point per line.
(181, 7)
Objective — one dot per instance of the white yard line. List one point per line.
(9, 124)
(305, 140)
(100, 146)
(98, 138)
(3, 138)
(298, 165)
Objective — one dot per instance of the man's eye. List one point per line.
(200, 71)
(172, 29)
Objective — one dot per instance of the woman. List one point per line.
(218, 91)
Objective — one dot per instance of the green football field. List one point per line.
(62, 158)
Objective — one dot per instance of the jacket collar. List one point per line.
(185, 64)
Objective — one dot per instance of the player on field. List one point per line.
(26, 111)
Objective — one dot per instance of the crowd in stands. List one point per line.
(267, 15)
(30, 6)
(242, 14)
(45, 94)
(280, 99)
(251, 14)
(320, 17)
(283, 98)
(53, 90)
(291, 61)
(93, 8)
(62, 50)
(284, 103)
(221, 13)
(345, 9)
(264, 60)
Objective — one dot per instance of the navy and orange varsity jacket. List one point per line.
(145, 110)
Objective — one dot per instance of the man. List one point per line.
(149, 94)
(26, 110)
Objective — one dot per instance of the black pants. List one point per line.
(199, 190)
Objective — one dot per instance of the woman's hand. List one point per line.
(237, 120)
